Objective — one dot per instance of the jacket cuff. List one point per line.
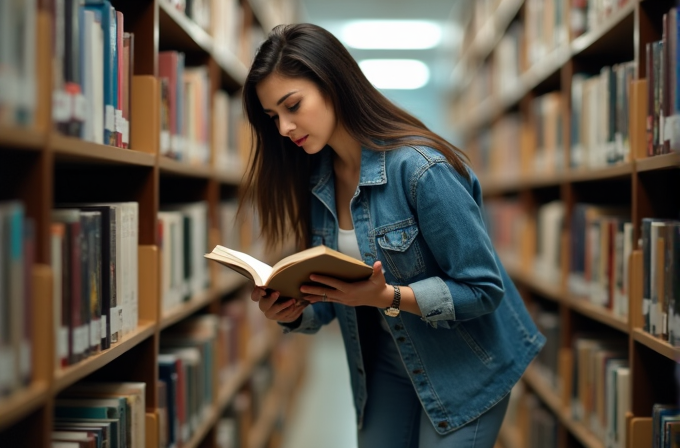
(435, 301)
(306, 323)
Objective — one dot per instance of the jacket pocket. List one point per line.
(400, 246)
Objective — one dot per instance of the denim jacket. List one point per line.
(423, 221)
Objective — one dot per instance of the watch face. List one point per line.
(392, 312)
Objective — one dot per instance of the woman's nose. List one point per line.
(285, 126)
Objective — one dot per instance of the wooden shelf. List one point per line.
(582, 43)
(552, 400)
(487, 38)
(228, 177)
(666, 161)
(544, 288)
(494, 106)
(77, 150)
(231, 386)
(179, 32)
(22, 138)
(186, 309)
(206, 424)
(523, 182)
(72, 374)
(608, 172)
(596, 312)
(660, 346)
(173, 167)
(21, 403)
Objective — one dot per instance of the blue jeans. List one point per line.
(394, 417)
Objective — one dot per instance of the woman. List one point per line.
(438, 335)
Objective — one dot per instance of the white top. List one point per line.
(348, 245)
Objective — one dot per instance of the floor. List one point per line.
(324, 413)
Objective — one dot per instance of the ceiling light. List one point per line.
(391, 34)
(404, 74)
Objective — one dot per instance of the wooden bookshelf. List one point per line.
(51, 167)
(228, 177)
(174, 167)
(621, 22)
(597, 313)
(658, 345)
(22, 402)
(554, 403)
(666, 161)
(22, 138)
(643, 184)
(72, 374)
(70, 149)
(609, 172)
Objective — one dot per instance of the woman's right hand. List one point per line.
(285, 311)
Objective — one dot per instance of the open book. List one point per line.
(290, 273)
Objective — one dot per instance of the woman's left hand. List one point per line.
(372, 292)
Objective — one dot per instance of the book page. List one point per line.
(263, 270)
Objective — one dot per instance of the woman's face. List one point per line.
(299, 110)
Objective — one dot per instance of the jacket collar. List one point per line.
(372, 168)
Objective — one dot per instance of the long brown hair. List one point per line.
(277, 181)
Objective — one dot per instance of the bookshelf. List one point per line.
(41, 167)
(642, 184)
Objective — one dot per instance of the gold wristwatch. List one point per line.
(393, 310)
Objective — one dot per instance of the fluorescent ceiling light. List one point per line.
(391, 34)
(403, 74)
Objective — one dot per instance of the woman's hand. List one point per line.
(372, 292)
(285, 311)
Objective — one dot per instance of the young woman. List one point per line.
(438, 335)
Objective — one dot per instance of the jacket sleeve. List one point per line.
(312, 319)
(451, 222)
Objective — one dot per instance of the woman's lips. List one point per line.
(301, 141)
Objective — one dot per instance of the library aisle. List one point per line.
(323, 413)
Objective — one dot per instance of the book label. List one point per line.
(110, 118)
(103, 327)
(62, 342)
(95, 332)
(61, 106)
(80, 111)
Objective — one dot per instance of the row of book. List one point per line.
(93, 67)
(663, 94)
(18, 49)
(532, 423)
(185, 109)
(601, 241)
(661, 278)
(17, 258)
(601, 389)
(97, 414)
(222, 19)
(665, 426)
(94, 263)
(601, 116)
(183, 241)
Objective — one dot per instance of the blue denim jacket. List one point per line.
(423, 221)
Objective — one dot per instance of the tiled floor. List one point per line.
(324, 415)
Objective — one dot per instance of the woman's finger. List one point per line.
(334, 283)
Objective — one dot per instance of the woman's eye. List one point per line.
(294, 107)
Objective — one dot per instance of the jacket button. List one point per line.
(401, 339)
(418, 371)
(443, 424)
(397, 327)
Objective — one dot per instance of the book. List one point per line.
(287, 275)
